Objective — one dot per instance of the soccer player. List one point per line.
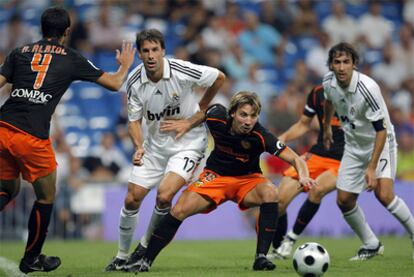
(323, 167)
(40, 73)
(161, 89)
(232, 173)
(369, 160)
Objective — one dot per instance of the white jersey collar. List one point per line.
(166, 72)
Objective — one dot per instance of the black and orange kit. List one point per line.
(40, 73)
(233, 154)
(318, 159)
(314, 106)
(232, 169)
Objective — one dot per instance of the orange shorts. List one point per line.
(222, 188)
(23, 153)
(316, 165)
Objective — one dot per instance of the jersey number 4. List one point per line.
(41, 66)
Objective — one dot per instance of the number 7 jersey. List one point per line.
(40, 74)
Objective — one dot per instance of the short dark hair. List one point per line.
(152, 35)
(54, 22)
(343, 47)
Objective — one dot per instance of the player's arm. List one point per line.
(301, 127)
(125, 58)
(183, 125)
(137, 137)
(300, 166)
(328, 113)
(3, 81)
(380, 138)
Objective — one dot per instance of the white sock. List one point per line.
(400, 210)
(127, 223)
(156, 217)
(356, 220)
(292, 235)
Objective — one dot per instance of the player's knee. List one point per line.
(270, 195)
(164, 200)
(179, 212)
(282, 206)
(316, 194)
(132, 201)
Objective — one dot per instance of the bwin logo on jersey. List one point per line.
(168, 111)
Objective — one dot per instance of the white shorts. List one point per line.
(351, 174)
(156, 165)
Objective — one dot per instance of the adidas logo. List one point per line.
(158, 92)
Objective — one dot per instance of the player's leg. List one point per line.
(142, 179)
(326, 183)
(8, 191)
(289, 188)
(355, 218)
(39, 219)
(351, 182)
(9, 172)
(264, 195)
(179, 168)
(128, 220)
(384, 192)
(395, 205)
(188, 204)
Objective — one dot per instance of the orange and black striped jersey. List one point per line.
(40, 74)
(314, 106)
(233, 154)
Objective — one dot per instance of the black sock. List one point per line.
(162, 235)
(282, 224)
(266, 227)
(38, 224)
(4, 199)
(305, 215)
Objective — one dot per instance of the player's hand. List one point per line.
(179, 126)
(371, 179)
(137, 157)
(327, 138)
(307, 183)
(127, 54)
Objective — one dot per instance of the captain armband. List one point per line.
(379, 125)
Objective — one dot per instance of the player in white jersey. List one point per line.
(369, 160)
(160, 89)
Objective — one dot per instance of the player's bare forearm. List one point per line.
(135, 133)
(211, 92)
(125, 58)
(288, 155)
(328, 112)
(297, 130)
(380, 138)
(3, 81)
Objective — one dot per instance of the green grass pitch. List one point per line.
(219, 258)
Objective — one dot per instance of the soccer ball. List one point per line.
(311, 259)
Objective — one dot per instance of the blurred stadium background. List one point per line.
(275, 48)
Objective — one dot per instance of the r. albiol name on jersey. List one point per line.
(32, 95)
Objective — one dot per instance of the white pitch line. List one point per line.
(10, 268)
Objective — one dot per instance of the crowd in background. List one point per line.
(277, 49)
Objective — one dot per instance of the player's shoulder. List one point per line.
(185, 69)
(216, 111)
(367, 82)
(134, 76)
(327, 79)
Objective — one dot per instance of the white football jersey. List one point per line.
(171, 97)
(358, 106)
